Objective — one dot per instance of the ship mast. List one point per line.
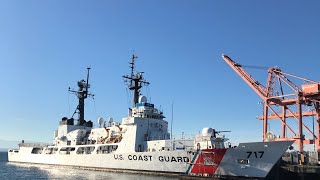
(82, 94)
(136, 81)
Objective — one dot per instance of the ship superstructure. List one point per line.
(141, 142)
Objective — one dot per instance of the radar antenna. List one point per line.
(136, 81)
(82, 94)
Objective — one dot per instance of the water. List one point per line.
(10, 171)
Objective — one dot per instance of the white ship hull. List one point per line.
(235, 161)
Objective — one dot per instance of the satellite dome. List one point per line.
(101, 121)
(142, 99)
(207, 131)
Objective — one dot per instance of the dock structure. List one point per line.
(299, 172)
(300, 167)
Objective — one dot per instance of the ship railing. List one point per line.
(40, 145)
(183, 136)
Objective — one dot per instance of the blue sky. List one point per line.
(45, 47)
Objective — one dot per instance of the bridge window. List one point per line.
(36, 151)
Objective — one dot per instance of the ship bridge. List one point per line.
(146, 110)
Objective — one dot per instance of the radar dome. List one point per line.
(101, 121)
(142, 99)
(270, 136)
(207, 131)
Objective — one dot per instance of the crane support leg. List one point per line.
(279, 117)
(265, 120)
(284, 110)
(317, 143)
(301, 136)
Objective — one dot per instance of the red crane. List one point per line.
(291, 105)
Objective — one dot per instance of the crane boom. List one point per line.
(255, 85)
